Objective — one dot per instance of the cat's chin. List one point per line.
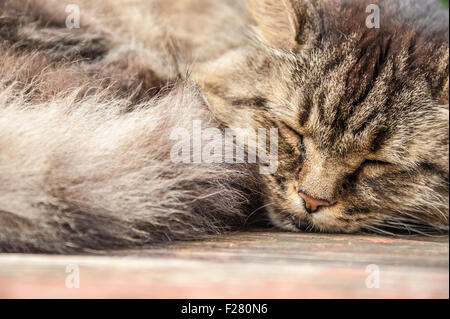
(289, 222)
(303, 222)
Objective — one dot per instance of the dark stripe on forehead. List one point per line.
(305, 109)
(255, 101)
(362, 96)
(365, 73)
(371, 57)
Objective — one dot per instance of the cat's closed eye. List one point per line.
(372, 164)
(366, 164)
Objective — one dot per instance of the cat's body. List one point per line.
(84, 146)
(85, 122)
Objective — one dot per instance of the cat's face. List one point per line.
(362, 120)
(348, 160)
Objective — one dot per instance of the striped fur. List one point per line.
(371, 106)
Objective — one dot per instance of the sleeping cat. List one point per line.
(86, 114)
(362, 112)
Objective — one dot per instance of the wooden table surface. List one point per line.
(254, 264)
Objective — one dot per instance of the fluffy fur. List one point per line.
(85, 175)
(84, 144)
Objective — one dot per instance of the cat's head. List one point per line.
(362, 112)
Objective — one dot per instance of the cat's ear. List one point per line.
(278, 21)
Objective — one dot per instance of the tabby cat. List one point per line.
(86, 114)
(362, 112)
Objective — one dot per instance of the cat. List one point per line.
(362, 112)
(86, 114)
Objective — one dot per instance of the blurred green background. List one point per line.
(445, 3)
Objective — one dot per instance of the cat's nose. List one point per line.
(312, 204)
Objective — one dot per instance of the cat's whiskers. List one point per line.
(255, 211)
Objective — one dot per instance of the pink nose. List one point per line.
(312, 204)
